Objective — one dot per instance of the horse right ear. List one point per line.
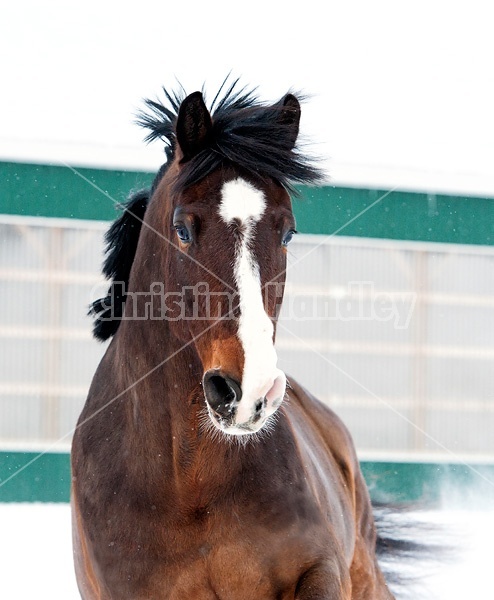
(193, 126)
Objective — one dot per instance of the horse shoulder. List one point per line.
(325, 423)
(366, 577)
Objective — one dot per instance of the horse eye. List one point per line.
(182, 232)
(287, 238)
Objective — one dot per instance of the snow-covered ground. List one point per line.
(36, 554)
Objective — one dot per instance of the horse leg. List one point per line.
(324, 582)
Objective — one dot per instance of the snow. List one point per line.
(458, 568)
(36, 554)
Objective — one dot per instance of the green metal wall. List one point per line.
(34, 477)
(54, 191)
(58, 191)
(398, 215)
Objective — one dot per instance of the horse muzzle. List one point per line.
(240, 412)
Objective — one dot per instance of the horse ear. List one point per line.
(289, 116)
(193, 126)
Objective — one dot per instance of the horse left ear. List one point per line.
(193, 126)
(289, 116)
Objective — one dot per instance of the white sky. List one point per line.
(402, 92)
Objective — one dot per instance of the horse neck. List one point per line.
(161, 369)
(165, 411)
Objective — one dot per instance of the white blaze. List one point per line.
(243, 202)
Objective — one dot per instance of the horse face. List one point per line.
(231, 231)
(232, 235)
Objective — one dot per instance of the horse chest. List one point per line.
(245, 563)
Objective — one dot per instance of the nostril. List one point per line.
(258, 406)
(220, 388)
(222, 393)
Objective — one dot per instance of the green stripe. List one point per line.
(396, 215)
(32, 477)
(57, 191)
(54, 191)
(429, 483)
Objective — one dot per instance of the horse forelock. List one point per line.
(246, 133)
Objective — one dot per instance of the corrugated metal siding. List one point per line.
(47, 272)
(396, 336)
(405, 356)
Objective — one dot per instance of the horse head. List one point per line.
(230, 231)
(223, 207)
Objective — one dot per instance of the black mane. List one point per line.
(121, 245)
(245, 133)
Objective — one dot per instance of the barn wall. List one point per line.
(389, 321)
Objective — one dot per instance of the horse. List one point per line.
(200, 471)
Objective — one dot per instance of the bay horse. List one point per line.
(200, 472)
